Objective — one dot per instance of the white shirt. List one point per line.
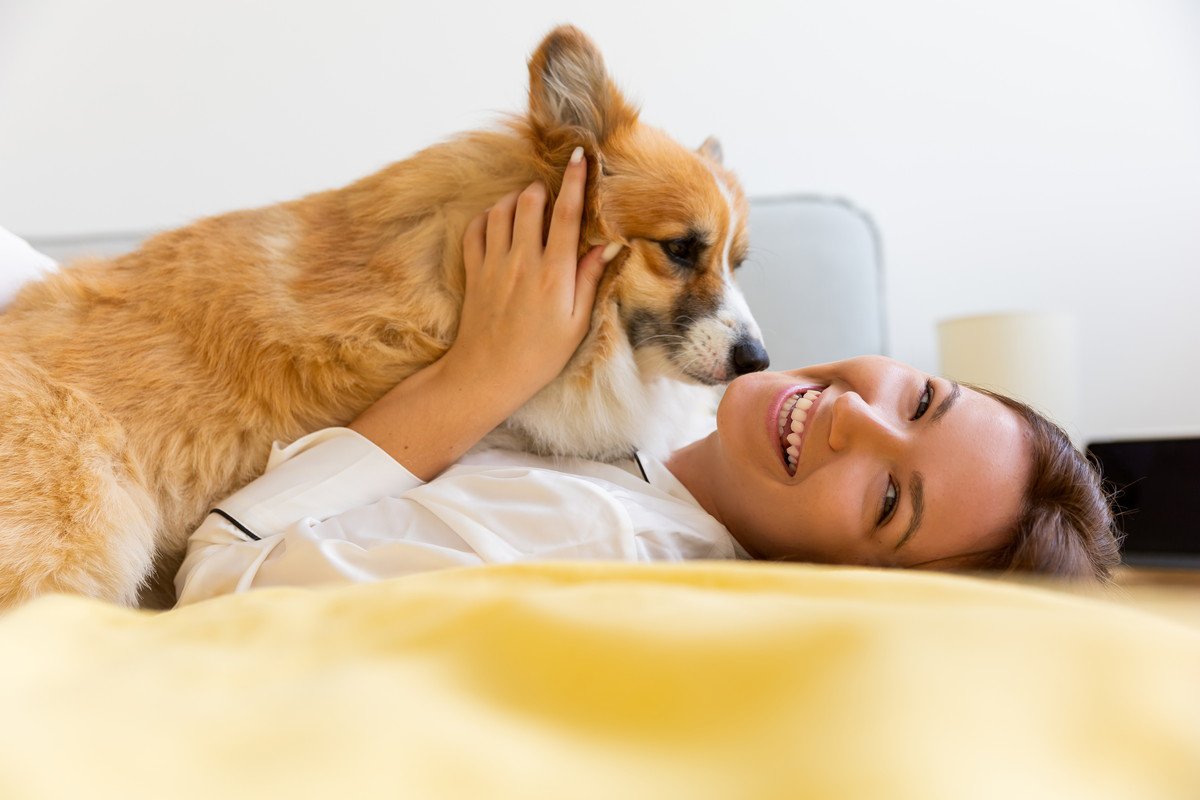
(334, 508)
(19, 264)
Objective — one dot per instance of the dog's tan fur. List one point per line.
(135, 392)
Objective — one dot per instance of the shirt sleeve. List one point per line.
(319, 475)
(314, 478)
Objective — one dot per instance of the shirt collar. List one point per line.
(661, 478)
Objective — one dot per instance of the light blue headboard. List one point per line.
(814, 280)
(65, 248)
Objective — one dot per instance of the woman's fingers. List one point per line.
(500, 224)
(531, 208)
(475, 242)
(591, 268)
(563, 241)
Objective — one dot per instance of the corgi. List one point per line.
(137, 391)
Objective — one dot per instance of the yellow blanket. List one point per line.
(705, 680)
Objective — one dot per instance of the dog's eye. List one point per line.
(683, 252)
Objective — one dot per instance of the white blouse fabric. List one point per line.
(19, 264)
(334, 508)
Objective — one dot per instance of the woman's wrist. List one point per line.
(429, 420)
(507, 383)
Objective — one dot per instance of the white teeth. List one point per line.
(792, 416)
(786, 411)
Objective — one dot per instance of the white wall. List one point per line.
(1038, 154)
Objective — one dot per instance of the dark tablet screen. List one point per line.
(1158, 497)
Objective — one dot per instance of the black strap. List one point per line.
(236, 524)
(640, 467)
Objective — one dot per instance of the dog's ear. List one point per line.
(711, 149)
(569, 88)
(573, 102)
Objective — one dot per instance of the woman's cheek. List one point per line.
(827, 513)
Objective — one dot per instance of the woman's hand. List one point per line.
(526, 309)
(527, 305)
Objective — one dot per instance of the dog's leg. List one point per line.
(74, 512)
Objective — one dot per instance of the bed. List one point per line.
(599, 680)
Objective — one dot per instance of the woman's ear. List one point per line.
(569, 88)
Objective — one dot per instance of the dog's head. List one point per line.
(679, 213)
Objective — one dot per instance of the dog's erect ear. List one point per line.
(711, 149)
(570, 88)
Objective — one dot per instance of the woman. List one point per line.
(865, 461)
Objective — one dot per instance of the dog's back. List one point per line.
(136, 391)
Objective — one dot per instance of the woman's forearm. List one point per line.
(428, 421)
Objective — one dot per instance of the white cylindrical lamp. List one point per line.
(1030, 356)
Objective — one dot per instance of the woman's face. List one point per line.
(892, 466)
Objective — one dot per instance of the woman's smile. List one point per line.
(789, 426)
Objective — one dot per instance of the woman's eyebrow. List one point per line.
(916, 488)
(944, 406)
(916, 484)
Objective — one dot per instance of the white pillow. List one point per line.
(19, 263)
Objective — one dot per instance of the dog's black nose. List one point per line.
(749, 356)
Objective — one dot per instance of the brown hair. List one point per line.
(1066, 526)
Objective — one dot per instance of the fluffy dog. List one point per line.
(135, 392)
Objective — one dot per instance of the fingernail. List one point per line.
(610, 252)
(576, 155)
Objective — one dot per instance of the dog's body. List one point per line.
(136, 392)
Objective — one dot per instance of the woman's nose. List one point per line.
(856, 423)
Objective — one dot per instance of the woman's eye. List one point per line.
(925, 401)
(890, 498)
(681, 251)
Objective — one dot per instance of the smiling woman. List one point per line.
(870, 461)
(889, 467)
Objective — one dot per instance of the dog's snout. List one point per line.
(749, 356)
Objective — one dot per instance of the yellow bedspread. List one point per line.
(703, 680)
